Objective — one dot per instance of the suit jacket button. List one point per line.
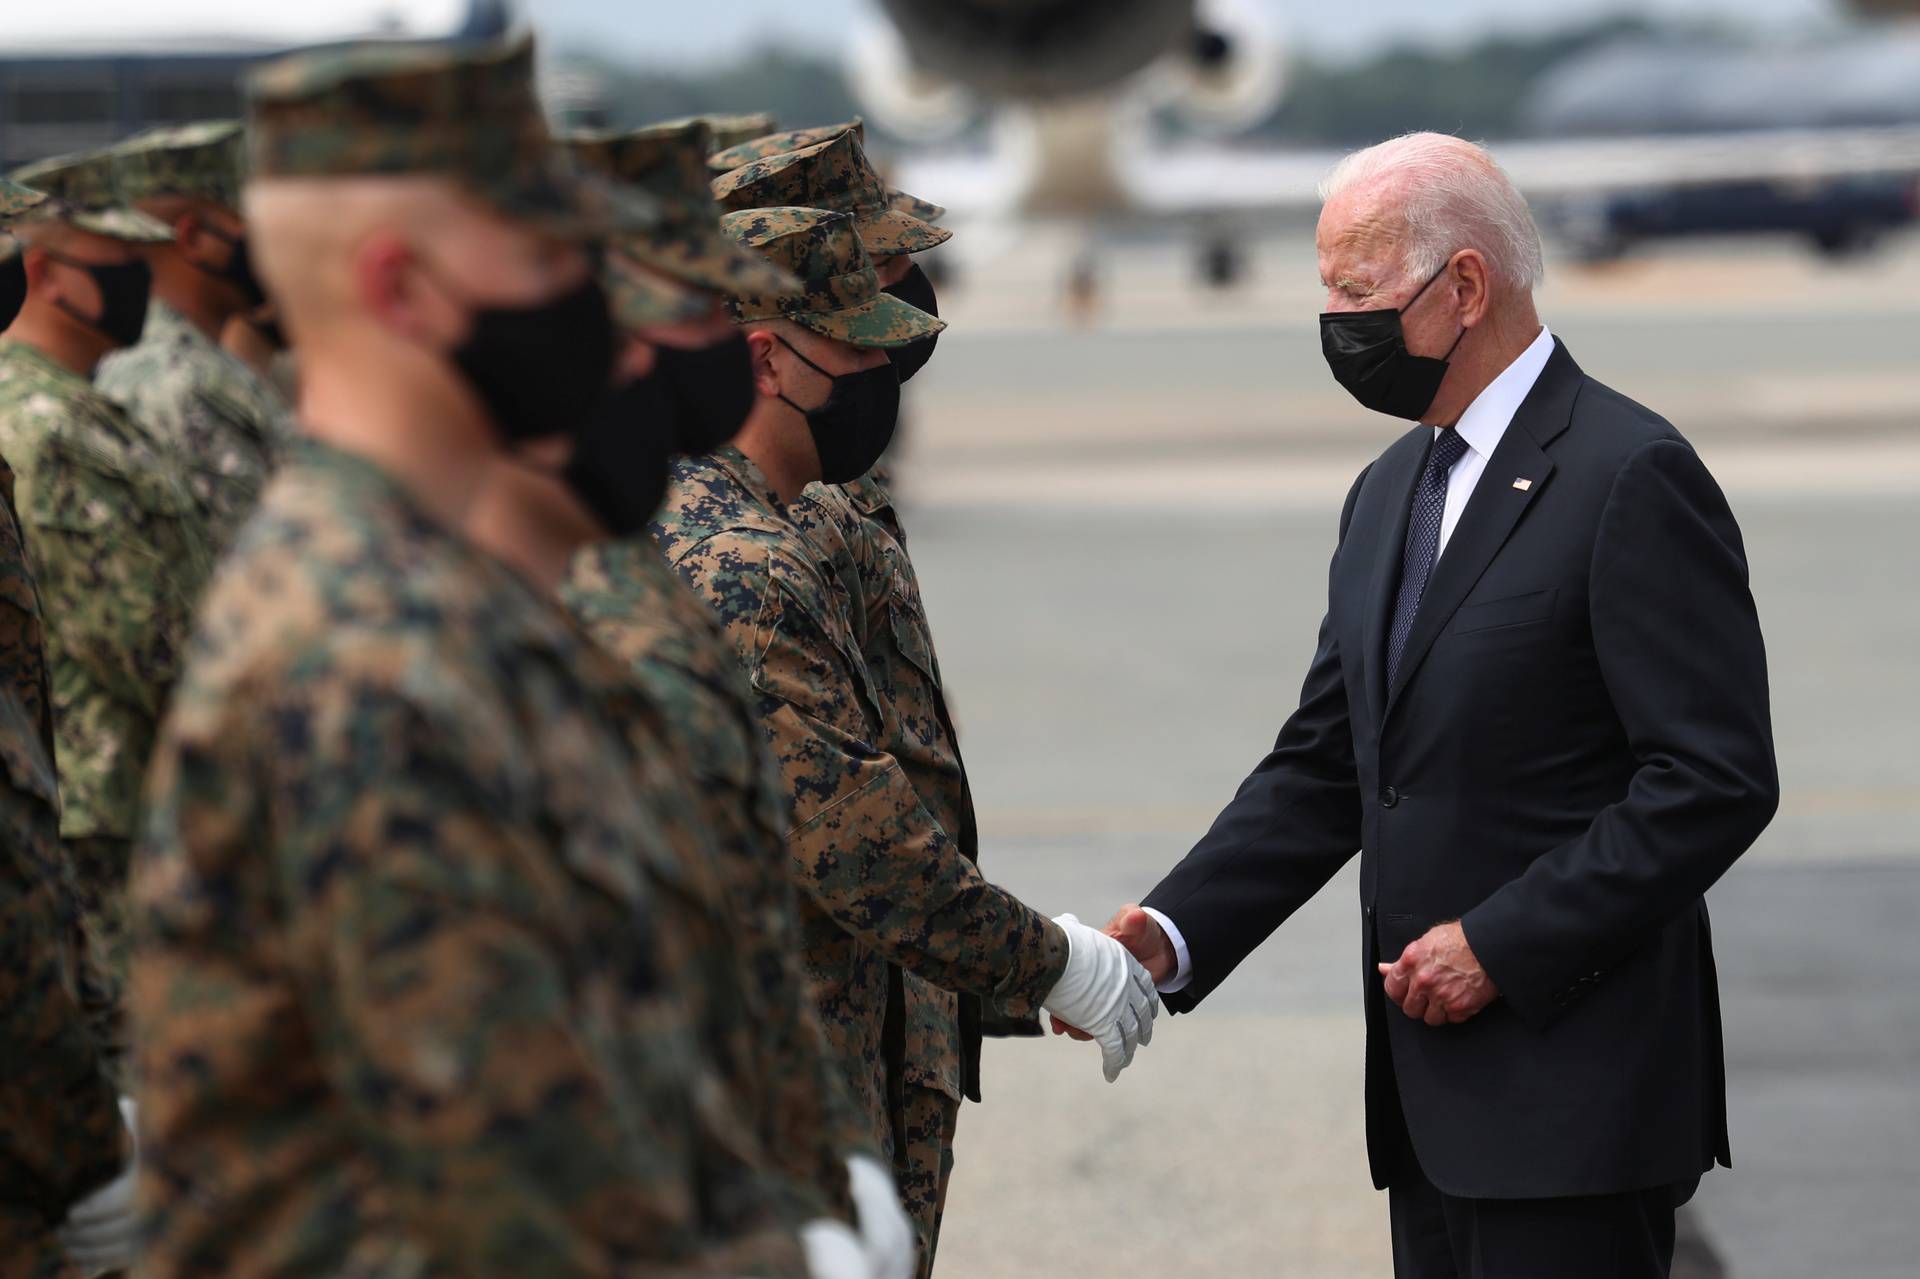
(1389, 797)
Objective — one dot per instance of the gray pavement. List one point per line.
(1121, 649)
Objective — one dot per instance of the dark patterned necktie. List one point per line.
(1423, 542)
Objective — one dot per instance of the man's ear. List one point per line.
(44, 282)
(395, 293)
(39, 269)
(186, 231)
(1472, 285)
(760, 345)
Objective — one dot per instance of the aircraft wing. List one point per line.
(1194, 182)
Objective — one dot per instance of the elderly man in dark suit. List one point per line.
(1538, 709)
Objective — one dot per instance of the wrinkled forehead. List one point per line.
(1360, 235)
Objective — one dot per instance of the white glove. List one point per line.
(1106, 993)
(833, 1251)
(885, 1231)
(102, 1231)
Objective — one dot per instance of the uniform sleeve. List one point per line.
(1678, 642)
(117, 597)
(492, 1091)
(60, 1130)
(862, 845)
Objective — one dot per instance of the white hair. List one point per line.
(1451, 195)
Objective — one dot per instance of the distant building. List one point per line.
(68, 95)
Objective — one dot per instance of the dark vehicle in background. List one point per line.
(1854, 86)
(1838, 216)
(61, 93)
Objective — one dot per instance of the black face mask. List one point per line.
(853, 428)
(13, 287)
(124, 291)
(269, 329)
(708, 392)
(540, 369)
(239, 268)
(621, 456)
(915, 289)
(1368, 355)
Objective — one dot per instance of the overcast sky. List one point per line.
(668, 32)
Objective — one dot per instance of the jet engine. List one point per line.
(1032, 50)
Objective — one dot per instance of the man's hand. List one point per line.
(1104, 992)
(1141, 934)
(1143, 937)
(1437, 979)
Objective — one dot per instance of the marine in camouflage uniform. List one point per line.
(896, 921)
(120, 553)
(899, 642)
(222, 419)
(629, 600)
(772, 144)
(60, 1131)
(406, 1002)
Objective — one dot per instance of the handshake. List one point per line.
(1107, 992)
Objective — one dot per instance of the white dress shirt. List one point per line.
(1481, 428)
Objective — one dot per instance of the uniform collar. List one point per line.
(749, 475)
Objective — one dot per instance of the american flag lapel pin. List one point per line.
(1523, 484)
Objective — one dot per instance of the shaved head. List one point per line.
(306, 232)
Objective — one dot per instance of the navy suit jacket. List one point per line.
(1577, 746)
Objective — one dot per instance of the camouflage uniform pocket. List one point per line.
(910, 634)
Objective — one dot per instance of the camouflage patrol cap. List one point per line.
(841, 295)
(206, 160)
(732, 130)
(794, 139)
(640, 297)
(16, 200)
(772, 144)
(833, 175)
(665, 162)
(463, 110)
(80, 192)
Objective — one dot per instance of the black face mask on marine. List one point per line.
(852, 429)
(539, 369)
(125, 288)
(13, 287)
(1367, 352)
(708, 391)
(621, 456)
(915, 289)
(239, 268)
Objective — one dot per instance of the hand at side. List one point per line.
(1437, 979)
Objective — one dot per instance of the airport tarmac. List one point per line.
(1122, 535)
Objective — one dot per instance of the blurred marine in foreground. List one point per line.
(417, 988)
